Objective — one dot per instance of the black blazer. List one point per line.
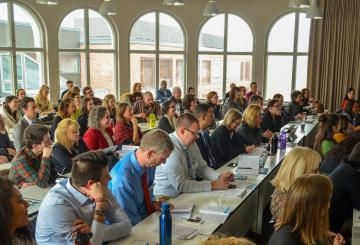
(345, 196)
(83, 122)
(224, 147)
(268, 122)
(205, 151)
(62, 158)
(284, 236)
(249, 136)
(165, 125)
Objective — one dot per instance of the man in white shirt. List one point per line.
(185, 169)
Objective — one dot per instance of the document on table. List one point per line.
(258, 151)
(248, 165)
(182, 232)
(230, 193)
(182, 211)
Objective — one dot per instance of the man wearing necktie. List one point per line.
(205, 114)
(133, 176)
(185, 169)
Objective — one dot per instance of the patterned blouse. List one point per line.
(277, 203)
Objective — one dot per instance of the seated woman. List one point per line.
(10, 111)
(64, 150)
(87, 105)
(285, 116)
(224, 143)
(344, 129)
(271, 118)
(66, 110)
(77, 103)
(305, 220)
(345, 195)
(189, 103)
(306, 100)
(299, 161)
(7, 149)
(352, 112)
(109, 103)
(213, 100)
(339, 153)
(349, 96)
(329, 125)
(234, 101)
(71, 92)
(42, 101)
(295, 107)
(168, 120)
(99, 135)
(126, 131)
(14, 215)
(250, 130)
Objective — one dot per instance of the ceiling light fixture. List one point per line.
(107, 8)
(211, 9)
(174, 2)
(47, 2)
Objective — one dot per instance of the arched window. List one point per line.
(21, 50)
(225, 54)
(287, 55)
(157, 51)
(87, 52)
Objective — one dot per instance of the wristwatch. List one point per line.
(100, 212)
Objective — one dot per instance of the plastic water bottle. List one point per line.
(283, 137)
(165, 224)
(177, 109)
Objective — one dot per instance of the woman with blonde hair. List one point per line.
(67, 136)
(250, 130)
(109, 103)
(298, 162)
(77, 103)
(126, 129)
(305, 220)
(224, 143)
(42, 101)
(223, 240)
(66, 110)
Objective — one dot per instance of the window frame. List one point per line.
(157, 51)
(87, 50)
(12, 49)
(294, 54)
(225, 53)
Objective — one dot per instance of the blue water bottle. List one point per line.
(165, 224)
(283, 137)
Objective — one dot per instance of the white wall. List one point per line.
(258, 13)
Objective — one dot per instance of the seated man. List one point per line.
(28, 106)
(185, 166)
(143, 108)
(176, 98)
(132, 177)
(205, 115)
(89, 93)
(82, 204)
(163, 93)
(32, 165)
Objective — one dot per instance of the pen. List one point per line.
(244, 168)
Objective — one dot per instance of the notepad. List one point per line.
(182, 211)
(248, 165)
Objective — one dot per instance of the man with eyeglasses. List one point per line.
(89, 93)
(29, 108)
(185, 169)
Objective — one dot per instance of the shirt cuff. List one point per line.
(98, 230)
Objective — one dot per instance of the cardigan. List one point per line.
(249, 136)
(224, 147)
(268, 122)
(165, 125)
(9, 120)
(95, 140)
(345, 195)
(123, 133)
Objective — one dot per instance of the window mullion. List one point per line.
(13, 45)
(294, 68)
(157, 55)
(87, 45)
(225, 55)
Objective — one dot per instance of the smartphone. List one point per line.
(232, 186)
(194, 220)
(232, 164)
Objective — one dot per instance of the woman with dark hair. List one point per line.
(352, 112)
(344, 129)
(271, 118)
(339, 153)
(127, 130)
(324, 139)
(87, 105)
(305, 218)
(66, 110)
(7, 149)
(189, 103)
(305, 92)
(13, 215)
(346, 195)
(10, 113)
(295, 107)
(99, 135)
(77, 103)
(349, 96)
(213, 100)
(233, 102)
(168, 120)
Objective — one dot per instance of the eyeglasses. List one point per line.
(193, 133)
(237, 122)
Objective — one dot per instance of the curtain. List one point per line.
(334, 52)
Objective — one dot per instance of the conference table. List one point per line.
(246, 202)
